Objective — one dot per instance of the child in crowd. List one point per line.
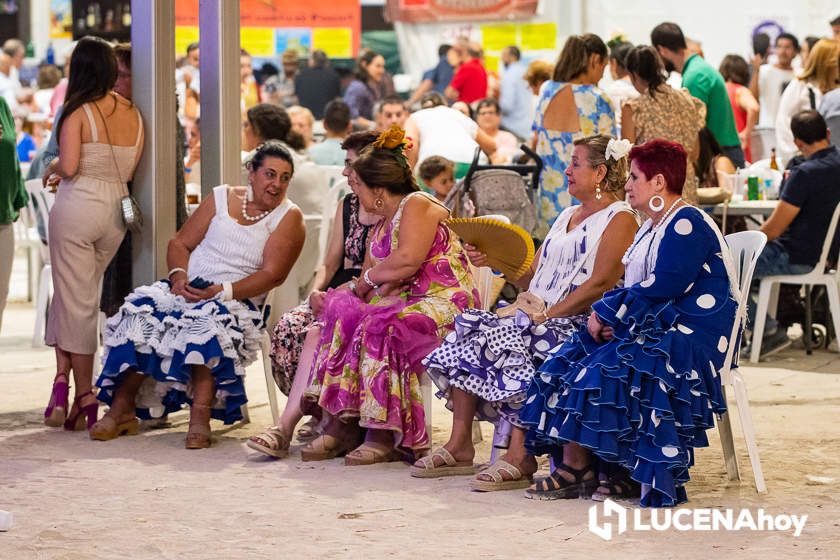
(438, 174)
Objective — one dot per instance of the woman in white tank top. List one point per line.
(188, 339)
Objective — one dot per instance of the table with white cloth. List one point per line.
(755, 210)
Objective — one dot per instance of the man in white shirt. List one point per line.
(769, 80)
(12, 60)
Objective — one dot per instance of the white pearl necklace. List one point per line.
(628, 255)
(252, 218)
(668, 213)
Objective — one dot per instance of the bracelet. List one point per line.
(174, 270)
(227, 291)
(368, 281)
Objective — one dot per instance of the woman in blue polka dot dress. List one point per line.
(637, 388)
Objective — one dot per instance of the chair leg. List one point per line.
(501, 439)
(477, 436)
(807, 328)
(265, 350)
(760, 319)
(749, 431)
(41, 304)
(727, 442)
(426, 392)
(833, 291)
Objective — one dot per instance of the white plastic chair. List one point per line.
(40, 202)
(768, 293)
(265, 356)
(745, 246)
(335, 173)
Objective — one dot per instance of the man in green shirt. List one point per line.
(703, 82)
(12, 198)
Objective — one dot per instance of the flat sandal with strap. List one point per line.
(555, 487)
(516, 478)
(426, 468)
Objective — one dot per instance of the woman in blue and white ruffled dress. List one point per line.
(484, 367)
(188, 339)
(638, 387)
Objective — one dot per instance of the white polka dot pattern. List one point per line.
(683, 227)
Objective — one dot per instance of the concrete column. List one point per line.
(221, 118)
(153, 83)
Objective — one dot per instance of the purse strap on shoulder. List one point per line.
(108, 137)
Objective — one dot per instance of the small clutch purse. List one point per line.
(132, 216)
(530, 304)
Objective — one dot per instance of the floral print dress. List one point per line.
(555, 148)
(369, 360)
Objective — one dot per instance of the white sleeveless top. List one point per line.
(230, 251)
(567, 258)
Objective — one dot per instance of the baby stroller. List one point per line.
(499, 189)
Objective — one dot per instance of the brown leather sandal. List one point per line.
(198, 433)
(107, 428)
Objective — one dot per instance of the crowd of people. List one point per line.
(608, 359)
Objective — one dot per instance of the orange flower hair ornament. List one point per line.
(395, 141)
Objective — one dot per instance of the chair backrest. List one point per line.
(745, 247)
(829, 239)
(40, 202)
(335, 173)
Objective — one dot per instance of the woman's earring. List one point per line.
(658, 205)
(249, 193)
(598, 192)
(379, 203)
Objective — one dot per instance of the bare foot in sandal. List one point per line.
(273, 441)
(512, 471)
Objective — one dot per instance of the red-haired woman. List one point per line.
(635, 391)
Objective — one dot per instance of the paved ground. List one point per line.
(147, 497)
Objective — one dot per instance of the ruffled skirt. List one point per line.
(369, 362)
(495, 359)
(161, 335)
(644, 400)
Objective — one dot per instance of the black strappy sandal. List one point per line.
(624, 488)
(555, 487)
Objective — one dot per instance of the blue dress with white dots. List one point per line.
(645, 399)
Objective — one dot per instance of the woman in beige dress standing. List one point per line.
(662, 111)
(100, 141)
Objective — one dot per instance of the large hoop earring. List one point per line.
(658, 206)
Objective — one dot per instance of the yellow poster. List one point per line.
(184, 35)
(491, 62)
(496, 37)
(538, 36)
(337, 42)
(258, 41)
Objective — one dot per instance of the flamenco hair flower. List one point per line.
(395, 141)
(617, 149)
